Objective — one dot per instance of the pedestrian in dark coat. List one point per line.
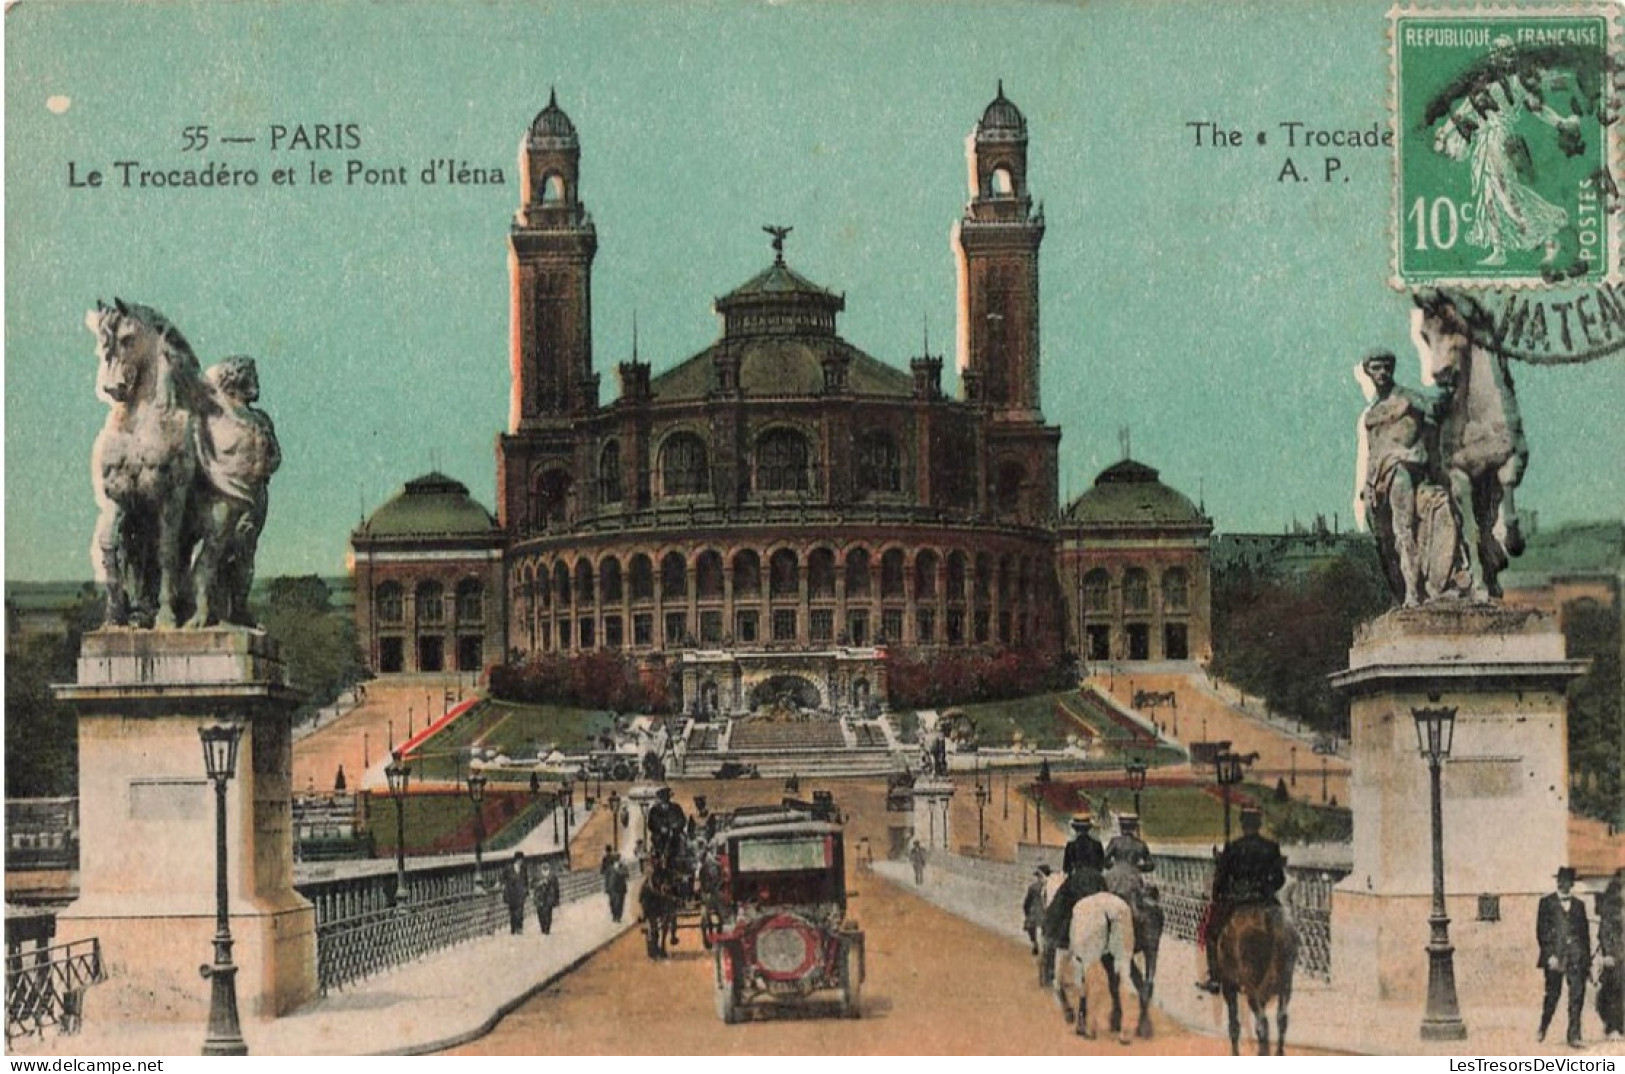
(1032, 906)
(1611, 946)
(547, 899)
(916, 858)
(1564, 936)
(615, 888)
(515, 886)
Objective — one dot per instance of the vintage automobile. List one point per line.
(783, 934)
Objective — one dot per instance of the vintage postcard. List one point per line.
(802, 528)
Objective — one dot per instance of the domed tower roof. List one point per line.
(1002, 120)
(433, 505)
(1128, 493)
(551, 124)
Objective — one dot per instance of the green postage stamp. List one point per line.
(1505, 144)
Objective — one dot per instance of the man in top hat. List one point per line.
(1564, 936)
(1127, 845)
(1032, 906)
(1250, 869)
(1084, 850)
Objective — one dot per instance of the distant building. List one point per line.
(1134, 559)
(1291, 555)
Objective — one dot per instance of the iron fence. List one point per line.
(1186, 884)
(363, 929)
(45, 987)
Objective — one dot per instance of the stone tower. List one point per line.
(550, 253)
(996, 242)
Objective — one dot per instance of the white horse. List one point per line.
(1102, 930)
(1482, 449)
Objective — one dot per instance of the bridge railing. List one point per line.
(363, 929)
(45, 987)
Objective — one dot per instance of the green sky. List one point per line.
(1186, 293)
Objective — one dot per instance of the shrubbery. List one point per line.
(961, 676)
(596, 680)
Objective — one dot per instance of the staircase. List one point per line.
(807, 748)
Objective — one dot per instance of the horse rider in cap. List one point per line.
(1127, 845)
(1084, 849)
(1249, 870)
(667, 826)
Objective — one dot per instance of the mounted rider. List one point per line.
(1084, 865)
(1250, 869)
(1127, 845)
(668, 827)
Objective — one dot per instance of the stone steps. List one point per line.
(781, 764)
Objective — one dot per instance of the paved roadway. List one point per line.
(936, 985)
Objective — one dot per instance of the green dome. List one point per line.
(432, 505)
(1127, 494)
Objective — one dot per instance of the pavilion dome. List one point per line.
(431, 505)
(1129, 493)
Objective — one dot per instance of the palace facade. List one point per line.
(772, 511)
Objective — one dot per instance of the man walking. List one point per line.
(547, 899)
(615, 887)
(916, 857)
(515, 885)
(1611, 946)
(1032, 906)
(1564, 936)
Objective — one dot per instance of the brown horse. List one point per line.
(1256, 954)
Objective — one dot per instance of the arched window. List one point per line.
(683, 467)
(784, 574)
(609, 580)
(643, 578)
(747, 574)
(880, 467)
(544, 590)
(673, 577)
(1175, 590)
(470, 601)
(857, 572)
(584, 583)
(821, 573)
(390, 601)
(550, 499)
(553, 192)
(781, 462)
(708, 575)
(431, 601)
(609, 473)
(561, 584)
(1007, 494)
(956, 575)
(925, 575)
(984, 578)
(1097, 591)
(1000, 184)
(891, 574)
(1136, 590)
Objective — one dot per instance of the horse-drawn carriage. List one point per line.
(780, 889)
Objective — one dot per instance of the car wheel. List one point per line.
(727, 983)
(851, 986)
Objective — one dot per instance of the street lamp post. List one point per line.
(476, 795)
(1136, 770)
(399, 774)
(569, 808)
(1323, 779)
(225, 1034)
(1227, 770)
(1024, 798)
(1007, 794)
(1294, 752)
(1435, 728)
(981, 805)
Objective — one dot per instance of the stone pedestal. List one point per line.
(1504, 790)
(147, 818)
(932, 797)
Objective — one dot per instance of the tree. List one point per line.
(317, 645)
(42, 735)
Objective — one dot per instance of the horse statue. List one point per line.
(1482, 449)
(179, 470)
(1256, 952)
(1101, 929)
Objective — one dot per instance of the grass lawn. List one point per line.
(513, 729)
(1196, 813)
(443, 822)
(1040, 723)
